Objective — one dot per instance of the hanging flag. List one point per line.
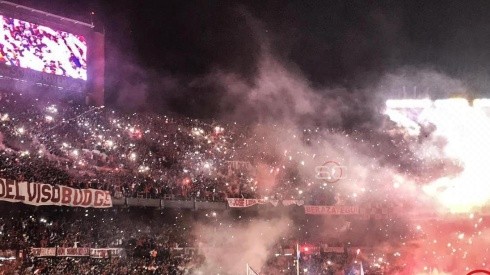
(354, 271)
(351, 271)
(250, 271)
(297, 258)
(297, 252)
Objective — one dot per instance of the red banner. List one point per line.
(331, 210)
(34, 193)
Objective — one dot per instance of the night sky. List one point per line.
(163, 46)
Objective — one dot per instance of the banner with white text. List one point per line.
(39, 194)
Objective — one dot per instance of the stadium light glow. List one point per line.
(481, 102)
(65, 57)
(451, 103)
(408, 103)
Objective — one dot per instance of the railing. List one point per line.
(169, 202)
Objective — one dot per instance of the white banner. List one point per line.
(103, 253)
(72, 251)
(333, 249)
(76, 252)
(38, 194)
(44, 252)
(236, 202)
(291, 202)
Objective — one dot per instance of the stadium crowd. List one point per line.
(132, 155)
(153, 242)
(129, 154)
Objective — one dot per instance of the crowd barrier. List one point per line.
(364, 211)
(168, 203)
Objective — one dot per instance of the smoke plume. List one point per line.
(243, 243)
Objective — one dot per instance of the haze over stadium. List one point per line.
(189, 138)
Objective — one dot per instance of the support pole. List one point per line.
(297, 258)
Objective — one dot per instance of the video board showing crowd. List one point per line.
(42, 49)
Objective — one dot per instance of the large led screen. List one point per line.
(42, 49)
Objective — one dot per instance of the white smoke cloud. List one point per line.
(277, 94)
(287, 106)
(228, 248)
(381, 165)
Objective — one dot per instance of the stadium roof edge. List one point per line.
(17, 6)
